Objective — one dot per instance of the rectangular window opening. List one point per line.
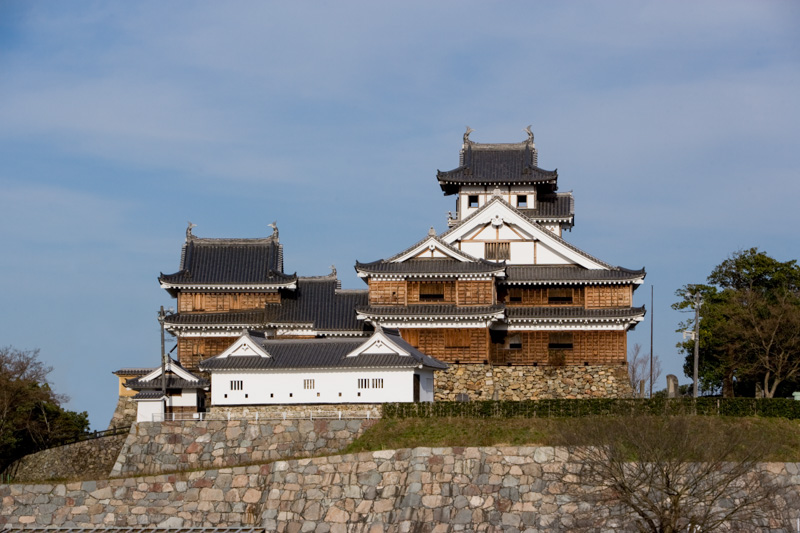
(515, 295)
(363, 383)
(431, 291)
(472, 200)
(308, 384)
(559, 296)
(236, 384)
(377, 383)
(514, 342)
(560, 341)
(522, 200)
(497, 251)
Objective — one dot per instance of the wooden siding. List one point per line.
(387, 292)
(192, 350)
(592, 347)
(460, 292)
(598, 296)
(449, 289)
(214, 302)
(469, 292)
(537, 296)
(434, 342)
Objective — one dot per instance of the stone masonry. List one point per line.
(532, 382)
(89, 459)
(509, 489)
(157, 447)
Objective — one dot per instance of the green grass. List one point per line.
(392, 434)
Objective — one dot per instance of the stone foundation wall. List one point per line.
(124, 414)
(532, 382)
(89, 459)
(348, 410)
(436, 490)
(157, 447)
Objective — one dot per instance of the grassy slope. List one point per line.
(446, 432)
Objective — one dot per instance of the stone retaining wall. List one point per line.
(124, 414)
(156, 447)
(89, 459)
(532, 382)
(436, 490)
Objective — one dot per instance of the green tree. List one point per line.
(750, 324)
(31, 416)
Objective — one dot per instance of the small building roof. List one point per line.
(230, 262)
(316, 303)
(496, 164)
(321, 353)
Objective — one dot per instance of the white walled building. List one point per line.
(256, 370)
(182, 394)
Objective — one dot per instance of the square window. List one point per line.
(308, 384)
(431, 291)
(472, 200)
(522, 201)
(515, 295)
(560, 341)
(514, 342)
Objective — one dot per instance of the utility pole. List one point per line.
(698, 301)
(652, 311)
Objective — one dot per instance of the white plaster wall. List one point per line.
(474, 249)
(426, 384)
(188, 398)
(287, 387)
(548, 256)
(521, 253)
(146, 409)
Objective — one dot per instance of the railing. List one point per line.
(256, 416)
(92, 435)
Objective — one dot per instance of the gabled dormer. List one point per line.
(431, 272)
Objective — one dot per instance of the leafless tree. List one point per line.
(639, 368)
(675, 473)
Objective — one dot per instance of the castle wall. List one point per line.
(422, 489)
(89, 459)
(532, 383)
(156, 447)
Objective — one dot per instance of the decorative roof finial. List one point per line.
(431, 232)
(497, 192)
(274, 227)
(189, 235)
(530, 133)
(333, 271)
(466, 134)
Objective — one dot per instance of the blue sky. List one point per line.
(676, 124)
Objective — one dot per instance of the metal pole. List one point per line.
(651, 341)
(698, 301)
(163, 353)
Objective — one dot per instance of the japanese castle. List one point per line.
(498, 306)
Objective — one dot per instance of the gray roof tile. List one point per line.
(429, 310)
(321, 353)
(568, 274)
(513, 312)
(230, 261)
(496, 164)
(315, 301)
